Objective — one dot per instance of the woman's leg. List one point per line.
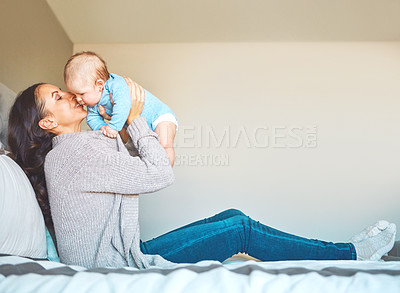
(218, 217)
(231, 232)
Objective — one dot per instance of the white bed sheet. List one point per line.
(206, 276)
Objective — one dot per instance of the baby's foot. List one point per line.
(373, 248)
(370, 231)
(108, 131)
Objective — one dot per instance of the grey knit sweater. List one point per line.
(93, 182)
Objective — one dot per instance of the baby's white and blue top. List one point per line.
(154, 110)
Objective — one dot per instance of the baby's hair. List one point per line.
(86, 66)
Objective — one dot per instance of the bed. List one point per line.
(19, 274)
(28, 259)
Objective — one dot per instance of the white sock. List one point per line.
(370, 231)
(373, 248)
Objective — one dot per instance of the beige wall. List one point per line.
(34, 46)
(349, 91)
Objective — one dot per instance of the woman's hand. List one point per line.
(103, 113)
(137, 98)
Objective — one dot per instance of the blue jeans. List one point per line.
(231, 232)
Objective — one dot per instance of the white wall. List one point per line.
(349, 91)
(33, 45)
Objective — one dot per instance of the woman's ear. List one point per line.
(100, 84)
(48, 123)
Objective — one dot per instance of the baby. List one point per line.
(86, 75)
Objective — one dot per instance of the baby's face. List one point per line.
(89, 95)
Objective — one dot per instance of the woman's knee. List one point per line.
(241, 225)
(234, 212)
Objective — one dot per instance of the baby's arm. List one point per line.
(107, 130)
(121, 103)
(166, 131)
(94, 119)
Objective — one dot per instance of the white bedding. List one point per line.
(24, 275)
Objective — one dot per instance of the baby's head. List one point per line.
(85, 75)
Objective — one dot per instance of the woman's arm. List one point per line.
(118, 172)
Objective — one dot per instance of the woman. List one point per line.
(92, 184)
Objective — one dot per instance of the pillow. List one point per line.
(7, 98)
(22, 225)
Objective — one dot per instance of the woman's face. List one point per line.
(61, 107)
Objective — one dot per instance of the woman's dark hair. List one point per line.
(29, 144)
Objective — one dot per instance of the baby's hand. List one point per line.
(108, 131)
